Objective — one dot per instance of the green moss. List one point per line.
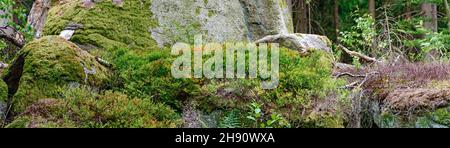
(305, 83)
(105, 25)
(211, 13)
(82, 107)
(3, 91)
(427, 119)
(147, 74)
(51, 62)
(441, 116)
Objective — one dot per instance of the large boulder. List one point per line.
(45, 64)
(147, 23)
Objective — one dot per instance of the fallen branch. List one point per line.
(348, 74)
(10, 34)
(359, 55)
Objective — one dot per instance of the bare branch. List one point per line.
(359, 55)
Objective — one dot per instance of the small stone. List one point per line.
(67, 34)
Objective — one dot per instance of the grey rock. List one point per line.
(218, 21)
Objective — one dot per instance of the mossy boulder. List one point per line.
(105, 25)
(44, 64)
(145, 24)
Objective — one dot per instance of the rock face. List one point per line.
(137, 24)
(220, 21)
(46, 64)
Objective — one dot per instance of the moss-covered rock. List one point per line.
(44, 64)
(146, 23)
(83, 108)
(105, 25)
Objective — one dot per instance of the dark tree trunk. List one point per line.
(447, 9)
(301, 16)
(336, 20)
(372, 8)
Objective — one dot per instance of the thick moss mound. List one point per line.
(307, 95)
(105, 25)
(44, 64)
(82, 107)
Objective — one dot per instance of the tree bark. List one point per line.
(430, 23)
(447, 9)
(38, 16)
(336, 20)
(372, 9)
(301, 17)
(373, 14)
(430, 16)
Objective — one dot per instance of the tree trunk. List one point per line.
(430, 23)
(336, 20)
(372, 9)
(301, 16)
(430, 16)
(447, 9)
(38, 16)
(373, 14)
